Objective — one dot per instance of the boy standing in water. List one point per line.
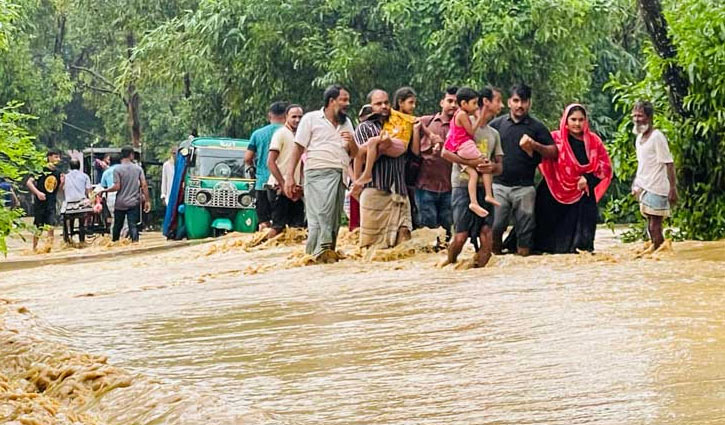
(655, 185)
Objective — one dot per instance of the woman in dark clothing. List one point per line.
(566, 199)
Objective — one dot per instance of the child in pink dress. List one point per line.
(460, 140)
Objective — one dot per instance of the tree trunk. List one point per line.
(133, 100)
(59, 36)
(674, 76)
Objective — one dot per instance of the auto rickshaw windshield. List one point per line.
(219, 163)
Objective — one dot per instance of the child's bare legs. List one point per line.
(472, 195)
(488, 185)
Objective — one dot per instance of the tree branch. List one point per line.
(94, 73)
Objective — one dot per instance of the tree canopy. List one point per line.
(151, 72)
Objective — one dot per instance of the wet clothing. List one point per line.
(465, 220)
(566, 217)
(262, 206)
(434, 209)
(324, 197)
(565, 228)
(284, 211)
(654, 204)
(517, 202)
(518, 167)
(653, 155)
(129, 176)
(384, 203)
(382, 215)
(133, 215)
(45, 211)
(388, 173)
(259, 144)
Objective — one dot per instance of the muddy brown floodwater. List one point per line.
(230, 333)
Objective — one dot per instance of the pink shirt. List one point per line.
(456, 136)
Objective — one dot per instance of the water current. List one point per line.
(226, 333)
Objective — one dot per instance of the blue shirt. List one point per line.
(7, 199)
(107, 177)
(259, 144)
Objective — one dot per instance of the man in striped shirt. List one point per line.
(384, 206)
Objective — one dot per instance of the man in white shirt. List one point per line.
(326, 137)
(167, 176)
(285, 211)
(655, 184)
(77, 186)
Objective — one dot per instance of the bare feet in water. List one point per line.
(478, 210)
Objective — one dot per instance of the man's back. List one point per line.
(129, 176)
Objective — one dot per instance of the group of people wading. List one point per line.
(465, 169)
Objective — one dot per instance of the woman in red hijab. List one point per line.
(566, 200)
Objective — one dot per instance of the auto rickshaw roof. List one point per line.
(107, 150)
(220, 142)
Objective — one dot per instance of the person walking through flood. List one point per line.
(574, 181)
(466, 223)
(655, 184)
(256, 155)
(129, 181)
(45, 188)
(326, 135)
(433, 183)
(525, 140)
(285, 211)
(385, 215)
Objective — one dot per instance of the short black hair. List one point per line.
(115, 160)
(488, 92)
(74, 164)
(646, 107)
(278, 108)
(372, 92)
(401, 95)
(450, 90)
(465, 94)
(52, 152)
(291, 107)
(521, 90)
(126, 152)
(331, 93)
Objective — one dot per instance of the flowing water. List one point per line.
(229, 333)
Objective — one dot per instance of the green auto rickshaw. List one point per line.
(218, 193)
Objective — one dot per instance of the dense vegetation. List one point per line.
(151, 72)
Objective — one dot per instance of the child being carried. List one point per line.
(395, 136)
(460, 141)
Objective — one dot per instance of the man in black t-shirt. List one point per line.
(525, 141)
(45, 188)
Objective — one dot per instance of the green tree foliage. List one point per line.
(18, 156)
(697, 29)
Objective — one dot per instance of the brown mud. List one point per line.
(242, 330)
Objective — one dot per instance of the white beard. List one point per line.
(640, 128)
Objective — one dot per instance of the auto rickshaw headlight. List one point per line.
(245, 199)
(203, 197)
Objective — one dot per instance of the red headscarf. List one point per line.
(562, 173)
